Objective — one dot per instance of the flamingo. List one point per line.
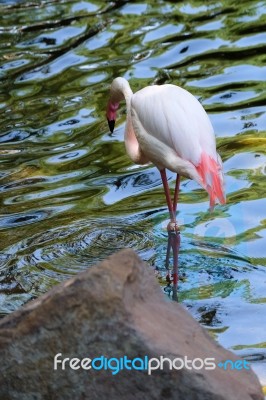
(167, 126)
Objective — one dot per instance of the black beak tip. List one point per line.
(111, 124)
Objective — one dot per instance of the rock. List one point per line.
(114, 309)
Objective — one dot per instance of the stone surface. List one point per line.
(113, 309)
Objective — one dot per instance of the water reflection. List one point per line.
(172, 278)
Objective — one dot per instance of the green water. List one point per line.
(70, 195)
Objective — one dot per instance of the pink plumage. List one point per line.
(211, 174)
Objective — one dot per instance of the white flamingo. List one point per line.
(167, 125)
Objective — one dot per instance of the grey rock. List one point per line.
(113, 309)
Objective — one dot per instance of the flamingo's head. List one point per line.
(111, 114)
(118, 90)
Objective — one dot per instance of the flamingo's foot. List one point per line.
(172, 280)
(172, 227)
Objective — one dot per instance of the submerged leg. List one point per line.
(173, 231)
(177, 183)
(168, 254)
(174, 243)
(175, 246)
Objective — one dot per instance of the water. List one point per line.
(69, 194)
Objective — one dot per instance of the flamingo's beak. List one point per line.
(111, 124)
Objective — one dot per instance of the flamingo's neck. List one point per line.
(122, 90)
(131, 143)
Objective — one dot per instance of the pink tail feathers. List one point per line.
(211, 173)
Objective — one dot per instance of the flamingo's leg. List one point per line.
(173, 231)
(167, 195)
(168, 253)
(177, 183)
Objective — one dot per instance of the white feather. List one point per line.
(176, 118)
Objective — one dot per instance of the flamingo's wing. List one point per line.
(176, 118)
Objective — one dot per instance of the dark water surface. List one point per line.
(70, 195)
